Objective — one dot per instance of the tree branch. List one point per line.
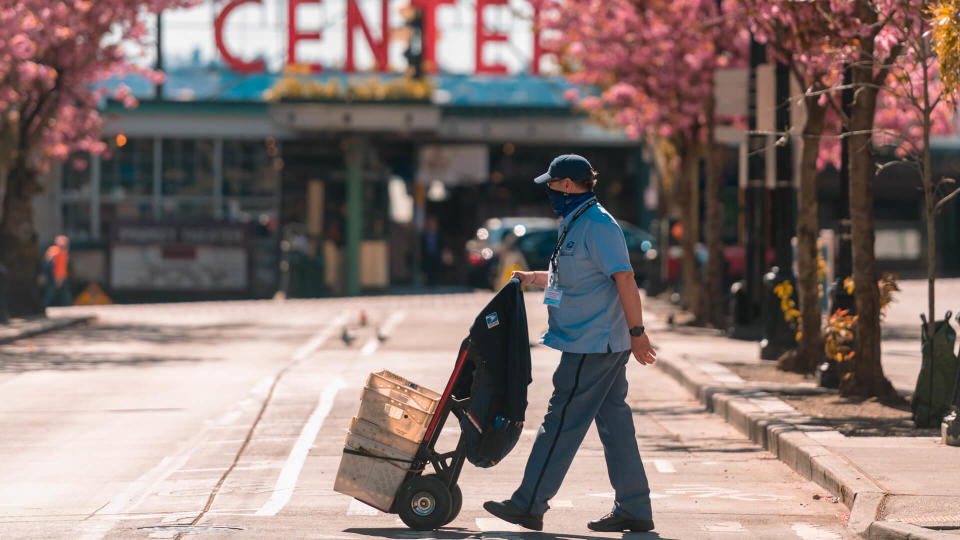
(945, 200)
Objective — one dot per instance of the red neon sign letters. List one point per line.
(379, 45)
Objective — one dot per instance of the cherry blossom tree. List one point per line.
(52, 55)
(870, 33)
(913, 106)
(797, 35)
(654, 64)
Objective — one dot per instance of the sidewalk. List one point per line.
(895, 487)
(23, 328)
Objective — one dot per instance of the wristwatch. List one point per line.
(637, 331)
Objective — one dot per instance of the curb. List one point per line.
(775, 426)
(891, 530)
(44, 326)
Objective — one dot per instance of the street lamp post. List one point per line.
(843, 264)
(747, 294)
(777, 335)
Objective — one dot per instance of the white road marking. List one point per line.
(561, 504)
(496, 524)
(724, 526)
(230, 417)
(138, 490)
(358, 508)
(370, 347)
(664, 466)
(613, 495)
(320, 338)
(391, 322)
(283, 489)
(812, 532)
(698, 491)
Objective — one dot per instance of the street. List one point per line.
(227, 420)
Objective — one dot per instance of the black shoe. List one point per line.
(510, 513)
(614, 523)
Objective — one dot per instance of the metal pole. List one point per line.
(95, 179)
(157, 178)
(158, 89)
(748, 293)
(778, 337)
(356, 147)
(843, 265)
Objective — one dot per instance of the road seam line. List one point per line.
(283, 489)
(303, 352)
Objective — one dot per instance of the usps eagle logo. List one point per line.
(493, 320)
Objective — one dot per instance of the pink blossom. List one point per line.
(22, 47)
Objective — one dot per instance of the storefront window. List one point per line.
(250, 172)
(76, 220)
(192, 209)
(128, 170)
(76, 177)
(248, 168)
(187, 167)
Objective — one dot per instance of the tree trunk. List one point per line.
(690, 203)
(713, 200)
(18, 244)
(810, 347)
(867, 377)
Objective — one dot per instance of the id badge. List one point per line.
(552, 294)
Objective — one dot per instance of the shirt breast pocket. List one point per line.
(571, 267)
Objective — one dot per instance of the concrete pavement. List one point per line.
(897, 487)
(227, 420)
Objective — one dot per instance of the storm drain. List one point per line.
(191, 528)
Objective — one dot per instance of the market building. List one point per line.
(211, 189)
(275, 152)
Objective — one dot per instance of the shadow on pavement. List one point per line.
(22, 361)
(152, 333)
(458, 533)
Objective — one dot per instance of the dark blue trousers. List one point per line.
(587, 387)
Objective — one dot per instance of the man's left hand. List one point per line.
(643, 350)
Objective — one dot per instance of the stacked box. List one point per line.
(384, 438)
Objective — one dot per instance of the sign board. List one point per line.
(210, 257)
(454, 164)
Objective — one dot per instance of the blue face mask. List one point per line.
(563, 203)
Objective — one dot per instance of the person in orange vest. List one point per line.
(55, 270)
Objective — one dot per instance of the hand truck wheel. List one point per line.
(456, 497)
(456, 500)
(424, 503)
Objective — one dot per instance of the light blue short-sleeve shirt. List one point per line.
(590, 317)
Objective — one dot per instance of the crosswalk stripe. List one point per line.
(664, 466)
(495, 524)
(724, 526)
(812, 532)
(358, 508)
(370, 347)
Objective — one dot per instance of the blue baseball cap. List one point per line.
(569, 166)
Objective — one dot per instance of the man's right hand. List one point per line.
(526, 278)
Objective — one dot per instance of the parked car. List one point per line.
(532, 250)
(483, 250)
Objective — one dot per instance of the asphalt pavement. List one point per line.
(227, 420)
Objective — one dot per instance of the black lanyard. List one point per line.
(563, 236)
